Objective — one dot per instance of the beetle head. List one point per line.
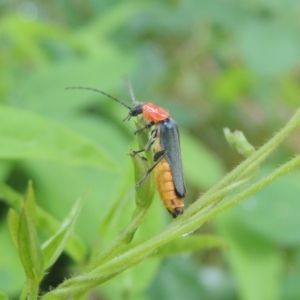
(135, 111)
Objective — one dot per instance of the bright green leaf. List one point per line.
(24, 135)
(54, 246)
(3, 296)
(46, 222)
(75, 246)
(232, 84)
(30, 202)
(118, 208)
(14, 223)
(11, 270)
(145, 192)
(29, 247)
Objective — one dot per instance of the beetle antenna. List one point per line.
(98, 91)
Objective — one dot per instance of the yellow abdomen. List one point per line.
(166, 189)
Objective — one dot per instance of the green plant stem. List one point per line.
(122, 238)
(214, 198)
(287, 167)
(140, 252)
(144, 197)
(33, 290)
(198, 213)
(24, 293)
(247, 167)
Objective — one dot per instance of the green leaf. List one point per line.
(200, 165)
(145, 192)
(11, 197)
(263, 41)
(114, 19)
(116, 215)
(75, 246)
(176, 280)
(255, 261)
(5, 169)
(46, 222)
(273, 212)
(30, 202)
(14, 223)
(251, 270)
(231, 84)
(190, 243)
(3, 296)
(29, 247)
(54, 246)
(133, 281)
(11, 270)
(290, 284)
(45, 139)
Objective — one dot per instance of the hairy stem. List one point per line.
(205, 208)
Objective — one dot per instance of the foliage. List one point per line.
(213, 64)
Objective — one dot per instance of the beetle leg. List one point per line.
(148, 125)
(149, 143)
(161, 155)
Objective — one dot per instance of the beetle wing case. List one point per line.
(170, 142)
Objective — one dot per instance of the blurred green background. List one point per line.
(212, 64)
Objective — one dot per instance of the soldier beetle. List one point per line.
(167, 154)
